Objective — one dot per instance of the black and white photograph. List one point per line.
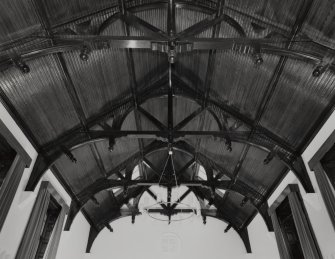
(167, 129)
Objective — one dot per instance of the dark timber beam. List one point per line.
(231, 112)
(219, 214)
(143, 26)
(129, 18)
(75, 201)
(188, 119)
(66, 43)
(94, 232)
(260, 209)
(263, 211)
(151, 118)
(243, 233)
(45, 161)
(181, 198)
(209, 23)
(261, 23)
(91, 238)
(103, 184)
(74, 209)
(154, 169)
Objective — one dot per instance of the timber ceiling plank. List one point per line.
(100, 80)
(298, 101)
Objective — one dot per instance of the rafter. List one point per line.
(208, 78)
(205, 212)
(151, 118)
(144, 26)
(188, 119)
(131, 67)
(208, 23)
(231, 112)
(155, 170)
(181, 198)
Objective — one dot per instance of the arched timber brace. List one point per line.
(243, 233)
(43, 162)
(263, 211)
(74, 209)
(91, 238)
(94, 231)
(102, 184)
(107, 184)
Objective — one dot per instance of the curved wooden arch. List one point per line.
(94, 232)
(104, 184)
(243, 233)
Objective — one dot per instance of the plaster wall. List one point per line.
(73, 243)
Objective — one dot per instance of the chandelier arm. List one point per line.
(174, 170)
(160, 179)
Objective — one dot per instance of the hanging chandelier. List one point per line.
(170, 211)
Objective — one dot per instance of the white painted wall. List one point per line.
(73, 243)
(13, 229)
(263, 242)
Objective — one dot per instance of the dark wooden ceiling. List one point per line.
(251, 84)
